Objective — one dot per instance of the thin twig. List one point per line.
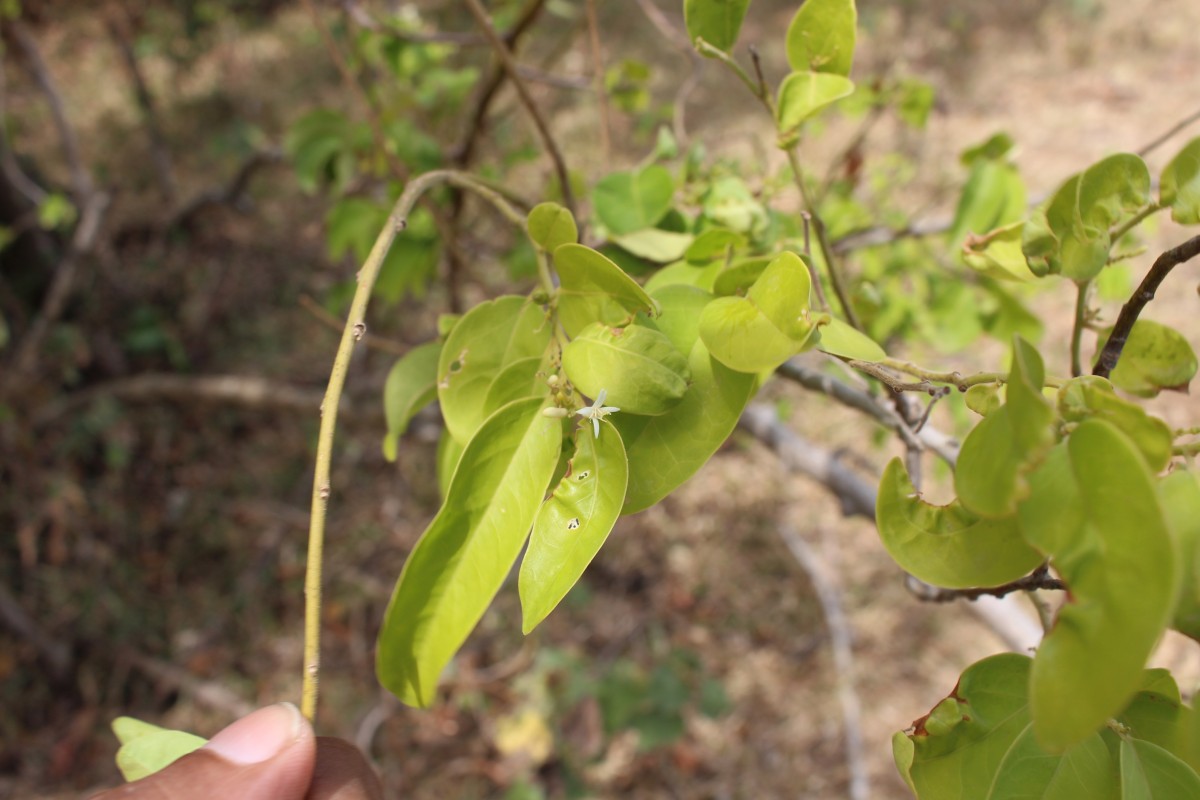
(81, 178)
(843, 657)
(1174, 129)
(160, 153)
(1081, 299)
(229, 195)
(1040, 578)
(353, 332)
(1143, 295)
(214, 695)
(598, 79)
(8, 162)
(55, 303)
(514, 76)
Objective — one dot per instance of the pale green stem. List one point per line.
(1134, 221)
(955, 378)
(706, 49)
(1077, 328)
(354, 331)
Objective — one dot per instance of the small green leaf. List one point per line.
(551, 225)
(464, 555)
(665, 451)
(411, 385)
(740, 276)
(573, 523)
(993, 197)
(715, 21)
(729, 202)
(1115, 553)
(771, 324)
(146, 748)
(681, 307)
(655, 245)
(1148, 772)
(1092, 396)
(839, 339)
(713, 243)
(996, 456)
(803, 94)
(638, 366)
(998, 254)
(947, 545)
(631, 201)
(594, 289)
(1180, 184)
(983, 398)
(489, 338)
(821, 36)
(1155, 357)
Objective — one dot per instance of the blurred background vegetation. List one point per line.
(186, 191)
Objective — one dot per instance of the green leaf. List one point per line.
(665, 451)
(1092, 396)
(681, 307)
(655, 245)
(983, 398)
(1070, 235)
(638, 366)
(464, 555)
(713, 243)
(803, 94)
(573, 523)
(1155, 357)
(411, 385)
(996, 456)
(550, 225)
(1179, 187)
(449, 451)
(947, 545)
(993, 197)
(594, 289)
(1087, 771)
(146, 748)
(821, 36)
(960, 762)
(630, 201)
(488, 339)
(998, 254)
(768, 326)
(1179, 495)
(839, 339)
(1157, 713)
(684, 274)
(1148, 772)
(715, 21)
(740, 276)
(1115, 553)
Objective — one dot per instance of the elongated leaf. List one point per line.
(630, 201)
(146, 748)
(803, 94)
(411, 385)
(839, 339)
(771, 324)
(467, 550)
(1092, 396)
(594, 289)
(655, 245)
(1000, 451)
(489, 338)
(551, 225)
(821, 36)
(449, 451)
(947, 545)
(1148, 772)
(573, 523)
(715, 21)
(1155, 357)
(1180, 184)
(1122, 569)
(637, 366)
(665, 451)
(1179, 494)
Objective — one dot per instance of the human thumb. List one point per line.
(269, 753)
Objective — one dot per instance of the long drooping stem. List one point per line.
(354, 331)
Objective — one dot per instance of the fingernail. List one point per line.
(259, 736)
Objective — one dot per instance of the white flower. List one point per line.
(597, 411)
